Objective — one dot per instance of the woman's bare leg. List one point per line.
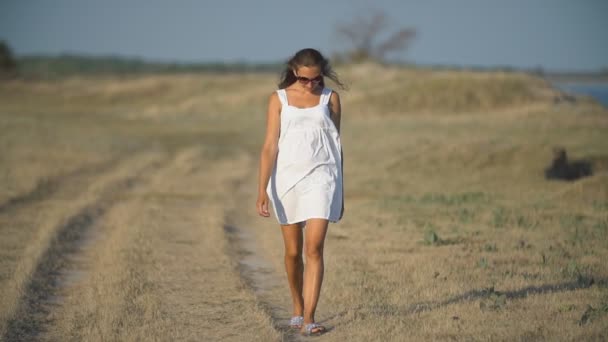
(292, 236)
(314, 236)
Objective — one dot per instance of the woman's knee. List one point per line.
(293, 253)
(314, 251)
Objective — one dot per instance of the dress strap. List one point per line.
(325, 96)
(282, 96)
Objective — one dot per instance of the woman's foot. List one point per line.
(313, 329)
(296, 322)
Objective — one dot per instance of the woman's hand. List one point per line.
(262, 204)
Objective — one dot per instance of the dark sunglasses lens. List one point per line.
(305, 80)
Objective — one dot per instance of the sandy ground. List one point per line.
(127, 213)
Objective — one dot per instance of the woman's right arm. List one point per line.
(269, 152)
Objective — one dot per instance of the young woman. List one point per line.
(301, 175)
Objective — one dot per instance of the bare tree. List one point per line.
(364, 36)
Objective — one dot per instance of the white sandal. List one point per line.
(308, 329)
(296, 322)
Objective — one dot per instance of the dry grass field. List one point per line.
(127, 211)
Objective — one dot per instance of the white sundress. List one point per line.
(306, 181)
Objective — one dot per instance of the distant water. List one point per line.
(599, 91)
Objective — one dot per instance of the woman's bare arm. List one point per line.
(269, 151)
(336, 109)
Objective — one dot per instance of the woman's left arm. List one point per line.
(336, 109)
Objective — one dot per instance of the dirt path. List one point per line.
(142, 253)
(257, 245)
(42, 228)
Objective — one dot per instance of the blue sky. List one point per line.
(553, 34)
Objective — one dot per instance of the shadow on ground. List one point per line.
(581, 282)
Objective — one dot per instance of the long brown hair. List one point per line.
(308, 58)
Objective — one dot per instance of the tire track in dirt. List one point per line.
(159, 271)
(191, 275)
(260, 278)
(263, 278)
(256, 273)
(47, 187)
(39, 276)
(226, 310)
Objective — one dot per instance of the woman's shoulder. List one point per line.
(274, 99)
(333, 95)
(279, 92)
(275, 94)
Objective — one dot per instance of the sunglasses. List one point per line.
(306, 80)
